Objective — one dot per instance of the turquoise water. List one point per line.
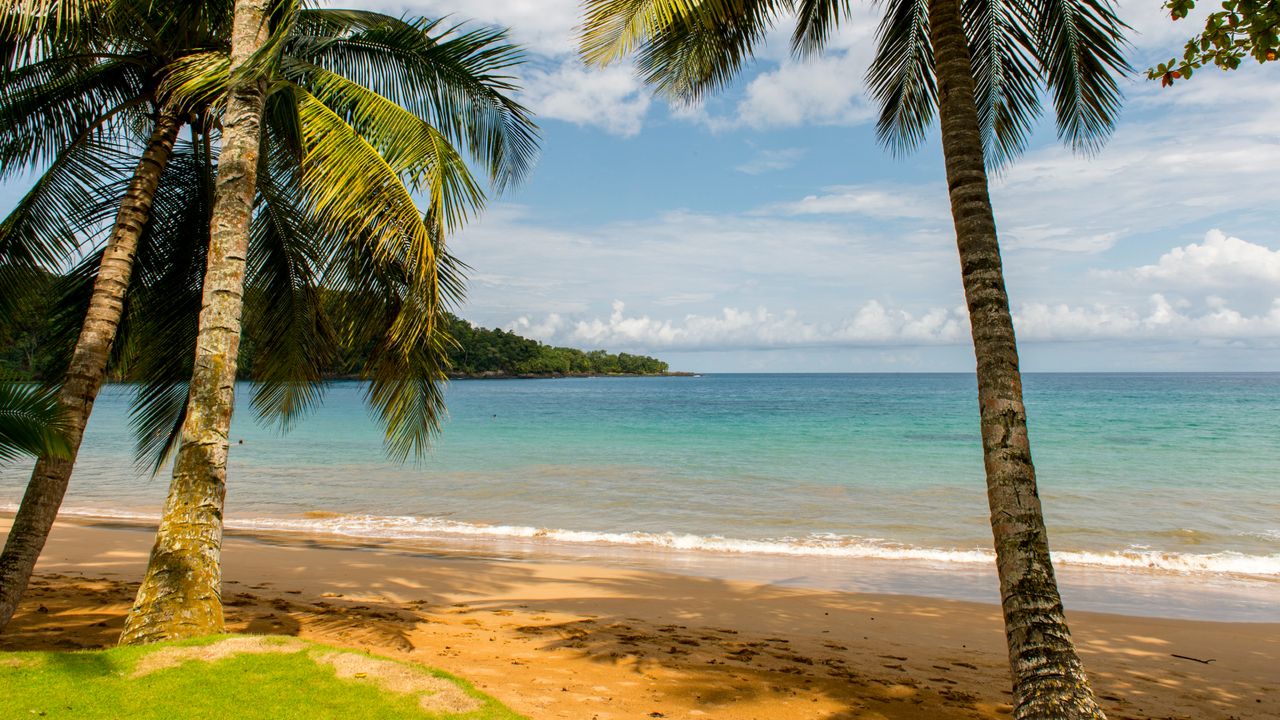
(1176, 473)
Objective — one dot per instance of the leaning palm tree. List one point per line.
(365, 147)
(31, 422)
(977, 63)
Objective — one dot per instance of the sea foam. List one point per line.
(405, 527)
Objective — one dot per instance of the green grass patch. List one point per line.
(240, 676)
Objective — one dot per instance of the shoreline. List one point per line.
(1129, 591)
(563, 639)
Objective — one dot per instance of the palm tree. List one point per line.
(70, 93)
(978, 63)
(363, 149)
(31, 422)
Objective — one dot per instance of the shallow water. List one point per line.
(1176, 475)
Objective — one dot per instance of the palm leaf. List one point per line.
(455, 79)
(69, 205)
(31, 423)
(1079, 46)
(901, 75)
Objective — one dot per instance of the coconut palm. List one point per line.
(978, 64)
(30, 422)
(365, 145)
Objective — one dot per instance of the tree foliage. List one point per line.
(1241, 29)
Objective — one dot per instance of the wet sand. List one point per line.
(563, 639)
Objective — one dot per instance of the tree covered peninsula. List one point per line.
(33, 341)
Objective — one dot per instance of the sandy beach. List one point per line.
(560, 639)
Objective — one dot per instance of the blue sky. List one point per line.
(767, 231)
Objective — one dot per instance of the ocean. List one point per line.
(1161, 491)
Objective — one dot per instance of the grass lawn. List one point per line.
(240, 676)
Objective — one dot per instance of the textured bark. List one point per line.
(87, 369)
(1048, 678)
(181, 593)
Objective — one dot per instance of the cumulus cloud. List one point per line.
(874, 324)
(612, 98)
(1218, 262)
(827, 91)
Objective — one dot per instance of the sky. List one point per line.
(767, 231)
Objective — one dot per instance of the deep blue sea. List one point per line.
(1173, 478)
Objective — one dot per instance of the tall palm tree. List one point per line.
(364, 148)
(978, 63)
(180, 595)
(71, 91)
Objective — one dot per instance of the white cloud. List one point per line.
(546, 27)
(875, 324)
(872, 324)
(1057, 239)
(1162, 319)
(877, 201)
(826, 91)
(1218, 262)
(612, 98)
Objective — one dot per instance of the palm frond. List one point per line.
(686, 49)
(1079, 46)
(157, 339)
(52, 18)
(284, 316)
(901, 75)
(51, 105)
(1006, 76)
(695, 55)
(815, 21)
(353, 189)
(197, 80)
(68, 206)
(31, 423)
(380, 306)
(455, 79)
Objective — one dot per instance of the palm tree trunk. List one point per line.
(1048, 678)
(87, 369)
(181, 593)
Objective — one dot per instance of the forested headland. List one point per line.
(30, 338)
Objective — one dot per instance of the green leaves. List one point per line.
(1241, 29)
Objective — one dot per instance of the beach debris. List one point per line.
(1193, 659)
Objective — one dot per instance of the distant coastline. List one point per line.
(499, 375)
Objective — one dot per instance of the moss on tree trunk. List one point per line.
(1048, 677)
(87, 369)
(180, 595)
